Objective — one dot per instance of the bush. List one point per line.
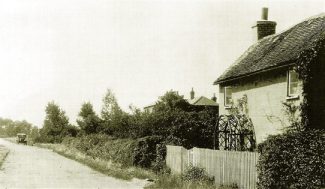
(159, 165)
(104, 147)
(196, 174)
(292, 160)
(172, 181)
(127, 152)
(145, 152)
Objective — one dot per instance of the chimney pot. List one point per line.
(192, 94)
(214, 98)
(265, 12)
(264, 27)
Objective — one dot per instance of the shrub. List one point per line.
(171, 181)
(145, 152)
(105, 147)
(140, 152)
(292, 160)
(196, 174)
(159, 165)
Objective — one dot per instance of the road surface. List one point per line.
(29, 167)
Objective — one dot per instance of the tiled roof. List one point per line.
(276, 50)
(202, 101)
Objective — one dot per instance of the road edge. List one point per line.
(4, 151)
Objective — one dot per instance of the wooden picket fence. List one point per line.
(227, 167)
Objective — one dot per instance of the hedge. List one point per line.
(127, 152)
(292, 160)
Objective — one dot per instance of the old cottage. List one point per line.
(265, 76)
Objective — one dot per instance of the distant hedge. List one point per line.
(292, 160)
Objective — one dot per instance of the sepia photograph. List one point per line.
(162, 94)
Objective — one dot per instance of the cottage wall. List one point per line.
(265, 96)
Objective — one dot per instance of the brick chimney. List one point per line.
(264, 27)
(192, 94)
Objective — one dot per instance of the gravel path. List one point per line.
(31, 167)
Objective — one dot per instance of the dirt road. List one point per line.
(31, 167)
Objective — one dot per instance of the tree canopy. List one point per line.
(10, 128)
(88, 121)
(56, 124)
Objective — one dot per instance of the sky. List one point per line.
(72, 51)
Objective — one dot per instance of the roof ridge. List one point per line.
(271, 51)
(321, 15)
(197, 99)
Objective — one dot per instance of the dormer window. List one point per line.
(292, 84)
(228, 96)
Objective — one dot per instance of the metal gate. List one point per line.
(235, 132)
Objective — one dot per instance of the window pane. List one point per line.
(228, 96)
(293, 83)
(294, 88)
(293, 76)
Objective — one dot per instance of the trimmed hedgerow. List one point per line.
(127, 152)
(103, 146)
(292, 160)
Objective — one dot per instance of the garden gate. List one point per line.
(234, 132)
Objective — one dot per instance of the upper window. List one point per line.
(228, 96)
(292, 83)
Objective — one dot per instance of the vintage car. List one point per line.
(21, 138)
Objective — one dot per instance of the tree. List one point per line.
(55, 125)
(110, 106)
(180, 123)
(166, 111)
(172, 101)
(22, 127)
(139, 123)
(10, 128)
(88, 122)
(34, 133)
(114, 119)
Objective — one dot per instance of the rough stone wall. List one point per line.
(265, 95)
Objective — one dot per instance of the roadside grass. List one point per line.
(3, 154)
(106, 167)
(168, 181)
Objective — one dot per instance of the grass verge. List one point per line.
(3, 154)
(167, 181)
(192, 178)
(106, 167)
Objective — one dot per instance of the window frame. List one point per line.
(289, 94)
(225, 97)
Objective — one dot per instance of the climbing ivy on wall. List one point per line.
(307, 67)
(240, 107)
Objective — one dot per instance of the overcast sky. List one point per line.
(71, 51)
